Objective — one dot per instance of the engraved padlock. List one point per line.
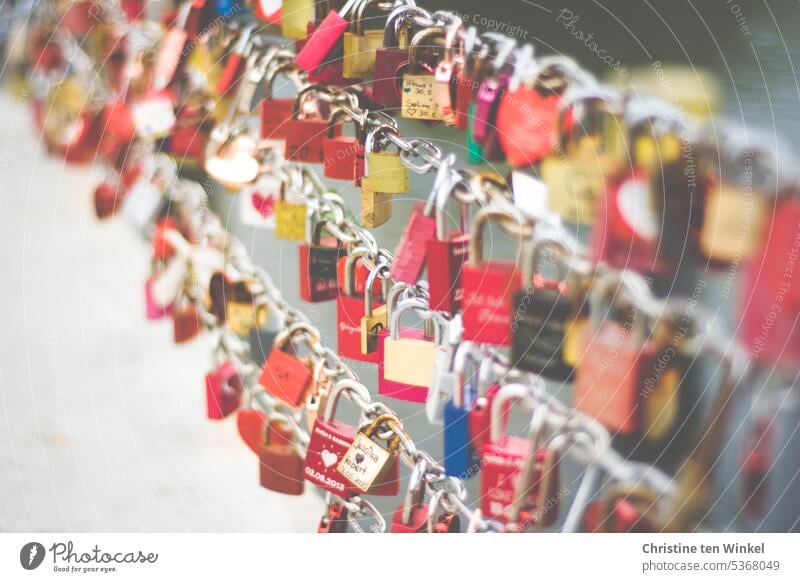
(285, 375)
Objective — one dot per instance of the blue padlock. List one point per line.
(228, 7)
(460, 457)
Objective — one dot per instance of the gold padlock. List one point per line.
(359, 46)
(574, 182)
(295, 16)
(732, 223)
(245, 310)
(408, 360)
(290, 220)
(376, 207)
(385, 168)
(366, 460)
(419, 96)
(374, 320)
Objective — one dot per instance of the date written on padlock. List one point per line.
(366, 459)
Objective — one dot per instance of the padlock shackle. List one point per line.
(424, 312)
(393, 296)
(349, 268)
(466, 351)
(344, 386)
(397, 19)
(514, 392)
(380, 268)
(415, 494)
(485, 215)
(580, 102)
(293, 72)
(430, 35)
(358, 15)
(533, 253)
(605, 292)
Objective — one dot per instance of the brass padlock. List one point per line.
(290, 214)
(385, 168)
(376, 207)
(359, 46)
(419, 96)
(295, 16)
(574, 182)
(245, 310)
(732, 223)
(374, 320)
(366, 460)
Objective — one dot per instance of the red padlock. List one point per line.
(411, 249)
(106, 198)
(118, 129)
(360, 276)
(446, 254)
(307, 130)
(187, 141)
(234, 67)
(325, 37)
(627, 234)
(350, 309)
(625, 509)
(331, 439)
(319, 259)
(412, 515)
(335, 519)
(615, 361)
(223, 391)
(281, 464)
(489, 287)
(187, 322)
(275, 113)
(768, 307)
(285, 375)
(343, 154)
(519, 476)
(480, 415)
(252, 427)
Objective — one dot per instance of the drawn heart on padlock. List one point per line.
(251, 425)
(359, 458)
(329, 458)
(264, 205)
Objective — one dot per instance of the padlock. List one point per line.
(445, 377)
(385, 170)
(773, 285)
(419, 100)
(163, 289)
(374, 320)
(230, 158)
(343, 154)
(281, 465)
(360, 273)
(187, 140)
(317, 397)
(489, 286)
(251, 424)
(366, 460)
(285, 375)
(171, 48)
(519, 475)
(391, 59)
(407, 357)
(153, 309)
(619, 369)
(735, 210)
(325, 37)
(446, 254)
(106, 198)
(480, 414)
(412, 515)
(335, 519)
(187, 322)
(359, 46)
(223, 390)
(591, 146)
(290, 217)
(376, 206)
(527, 115)
(276, 112)
(245, 306)
(350, 309)
(119, 130)
(235, 61)
(460, 457)
(626, 508)
(330, 441)
(627, 234)
(411, 248)
(319, 258)
(484, 124)
(306, 131)
(542, 313)
(295, 16)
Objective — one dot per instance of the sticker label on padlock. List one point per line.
(419, 98)
(257, 202)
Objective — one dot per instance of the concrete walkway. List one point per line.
(102, 420)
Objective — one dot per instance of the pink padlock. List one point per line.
(153, 310)
(325, 37)
(223, 391)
